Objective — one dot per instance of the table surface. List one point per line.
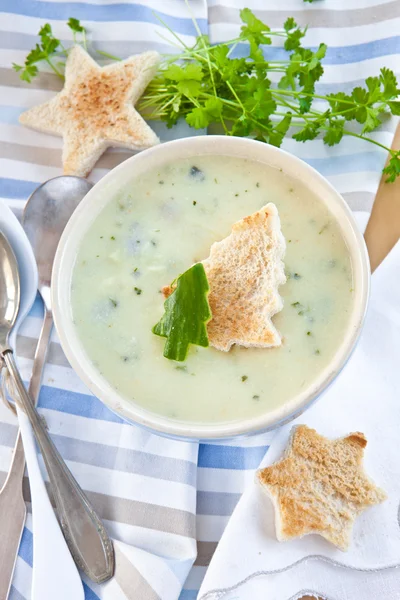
(383, 229)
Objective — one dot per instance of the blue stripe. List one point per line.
(37, 308)
(101, 12)
(339, 55)
(230, 457)
(10, 114)
(75, 403)
(216, 503)
(360, 52)
(14, 188)
(89, 593)
(15, 595)
(349, 163)
(26, 547)
(188, 594)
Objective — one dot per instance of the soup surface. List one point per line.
(154, 229)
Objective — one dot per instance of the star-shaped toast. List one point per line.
(320, 486)
(95, 109)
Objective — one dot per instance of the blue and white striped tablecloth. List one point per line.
(157, 496)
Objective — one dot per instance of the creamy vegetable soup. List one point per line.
(155, 229)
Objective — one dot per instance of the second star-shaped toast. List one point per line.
(320, 486)
(95, 109)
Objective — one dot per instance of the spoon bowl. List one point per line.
(15, 234)
(45, 216)
(10, 290)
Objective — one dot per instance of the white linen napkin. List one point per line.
(250, 563)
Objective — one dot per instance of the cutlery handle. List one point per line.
(85, 534)
(12, 518)
(40, 356)
(12, 504)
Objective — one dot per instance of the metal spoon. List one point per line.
(54, 573)
(45, 217)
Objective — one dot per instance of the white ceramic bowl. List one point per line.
(94, 203)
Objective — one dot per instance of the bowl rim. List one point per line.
(163, 153)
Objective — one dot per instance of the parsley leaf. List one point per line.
(334, 133)
(280, 130)
(41, 52)
(75, 25)
(394, 107)
(393, 167)
(181, 73)
(49, 48)
(289, 24)
(309, 132)
(388, 79)
(202, 117)
(198, 118)
(186, 314)
(28, 71)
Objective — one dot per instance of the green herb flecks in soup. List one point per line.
(155, 229)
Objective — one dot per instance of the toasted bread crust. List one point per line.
(244, 272)
(320, 486)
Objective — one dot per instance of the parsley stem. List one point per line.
(196, 26)
(181, 42)
(63, 51)
(236, 96)
(286, 103)
(107, 55)
(346, 132)
(171, 43)
(56, 71)
(302, 93)
(367, 139)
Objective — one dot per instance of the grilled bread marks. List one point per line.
(244, 272)
(95, 109)
(320, 486)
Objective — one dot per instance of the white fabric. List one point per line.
(365, 397)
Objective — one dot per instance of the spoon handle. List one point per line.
(87, 539)
(40, 356)
(12, 504)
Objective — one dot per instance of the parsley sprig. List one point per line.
(211, 86)
(236, 87)
(50, 50)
